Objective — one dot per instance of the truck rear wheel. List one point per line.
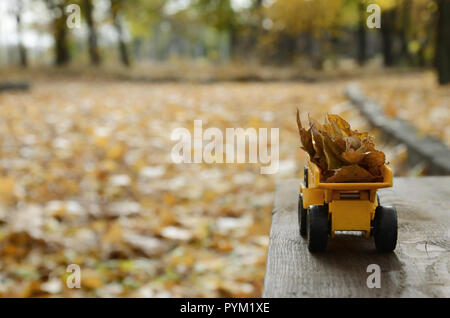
(317, 228)
(385, 229)
(301, 216)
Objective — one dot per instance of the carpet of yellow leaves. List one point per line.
(86, 178)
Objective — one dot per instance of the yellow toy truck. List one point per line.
(327, 208)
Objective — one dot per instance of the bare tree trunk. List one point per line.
(62, 54)
(116, 5)
(406, 21)
(421, 59)
(257, 30)
(286, 51)
(92, 37)
(387, 32)
(362, 37)
(22, 50)
(233, 36)
(124, 58)
(61, 42)
(23, 55)
(442, 42)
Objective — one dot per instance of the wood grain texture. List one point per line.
(419, 267)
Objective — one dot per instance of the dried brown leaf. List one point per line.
(352, 173)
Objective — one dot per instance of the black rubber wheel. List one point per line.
(373, 221)
(301, 216)
(317, 228)
(385, 229)
(305, 176)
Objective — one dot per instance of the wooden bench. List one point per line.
(419, 267)
(14, 86)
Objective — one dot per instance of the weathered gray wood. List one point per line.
(419, 267)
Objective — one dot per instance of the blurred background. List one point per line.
(87, 107)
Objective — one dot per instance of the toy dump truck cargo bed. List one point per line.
(314, 176)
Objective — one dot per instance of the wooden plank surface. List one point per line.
(419, 267)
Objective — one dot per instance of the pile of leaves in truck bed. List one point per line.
(342, 154)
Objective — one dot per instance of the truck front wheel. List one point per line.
(385, 229)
